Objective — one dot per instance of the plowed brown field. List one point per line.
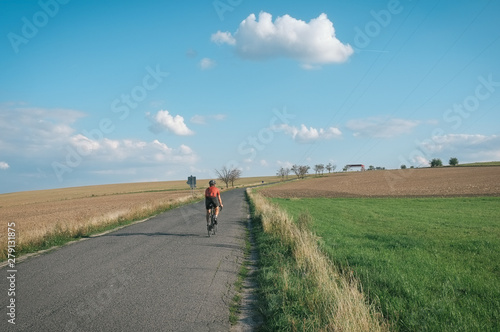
(425, 182)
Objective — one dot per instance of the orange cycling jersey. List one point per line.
(212, 192)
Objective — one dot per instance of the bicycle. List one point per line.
(212, 227)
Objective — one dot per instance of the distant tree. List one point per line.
(320, 168)
(453, 161)
(280, 173)
(228, 175)
(224, 175)
(331, 167)
(283, 172)
(371, 168)
(303, 170)
(345, 168)
(436, 162)
(234, 175)
(403, 166)
(296, 170)
(300, 170)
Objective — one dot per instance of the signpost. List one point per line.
(192, 183)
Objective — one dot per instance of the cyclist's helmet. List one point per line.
(212, 182)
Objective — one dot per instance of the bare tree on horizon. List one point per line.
(228, 175)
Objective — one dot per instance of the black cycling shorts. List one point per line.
(211, 202)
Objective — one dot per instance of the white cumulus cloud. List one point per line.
(420, 161)
(312, 43)
(381, 127)
(4, 165)
(306, 134)
(163, 120)
(131, 151)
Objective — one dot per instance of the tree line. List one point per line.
(230, 175)
(302, 170)
(436, 162)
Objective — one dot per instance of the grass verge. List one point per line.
(431, 264)
(234, 308)
(299, 288)
(72, 230)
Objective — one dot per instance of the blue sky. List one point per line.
(95, 92)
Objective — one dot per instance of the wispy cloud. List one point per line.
(207, 63)
(191, 53)
(223, 38)
(284, 164)
(203, 119)
(471, 147)
(163, 120)
(309, 134)
(31, 130)
(381, 127)
(312, 43)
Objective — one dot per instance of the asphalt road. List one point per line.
(164, 274)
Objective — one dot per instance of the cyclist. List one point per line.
(212, 199)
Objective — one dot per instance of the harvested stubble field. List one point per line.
(425, 182)
(72, 212)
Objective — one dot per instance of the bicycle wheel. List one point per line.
(210, 227)
(214, 225)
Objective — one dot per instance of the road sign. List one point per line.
(192, 181)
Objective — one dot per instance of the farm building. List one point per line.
(355, 167)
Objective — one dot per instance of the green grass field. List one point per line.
(487, 163)
(430, 264)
